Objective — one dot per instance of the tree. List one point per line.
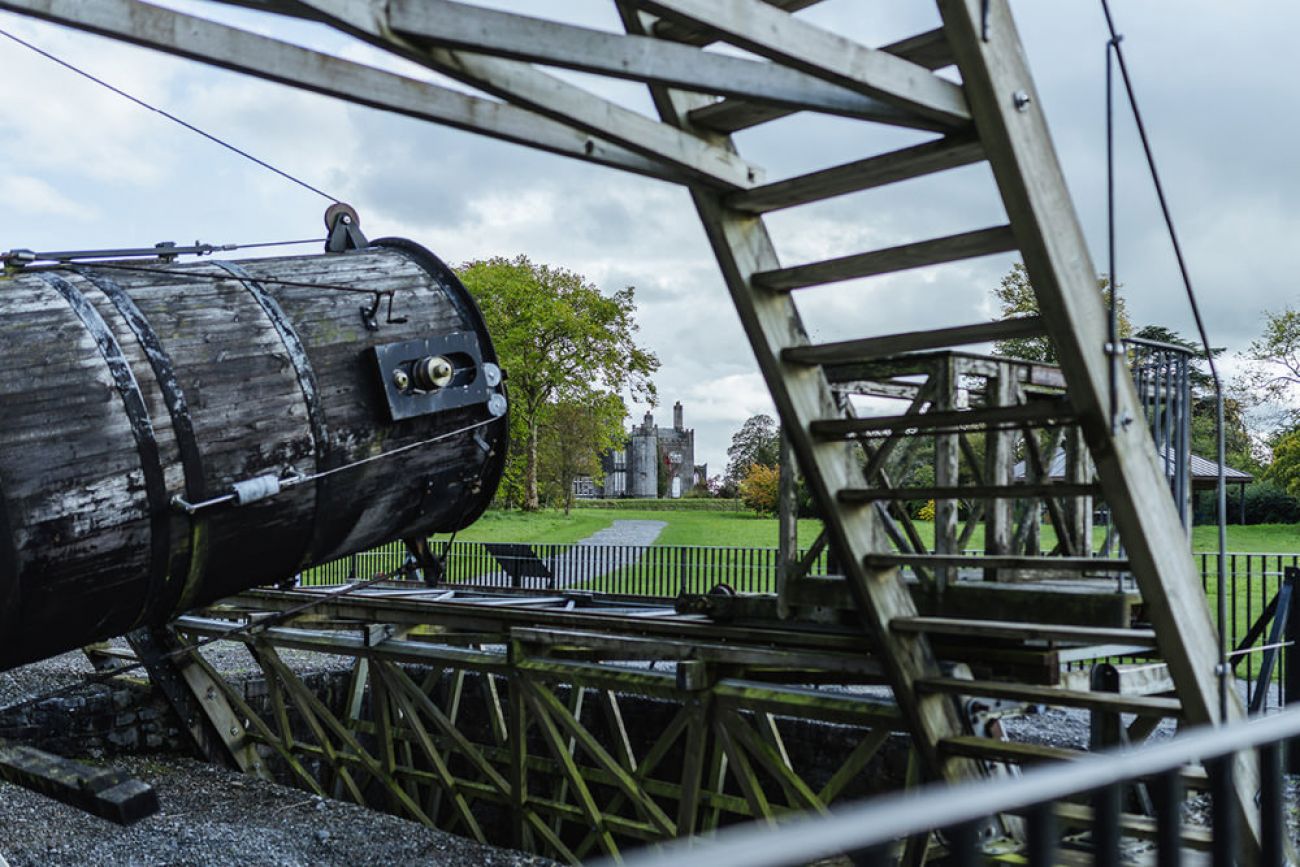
(1272, 376)
(1284, 471)
(560, 341)
(572, 436)
(757, 442)
(760, 488)
(1015, 295)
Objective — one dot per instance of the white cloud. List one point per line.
(39, 197)
(1218, 129)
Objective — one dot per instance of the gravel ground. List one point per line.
(228, 657)
(211, 816)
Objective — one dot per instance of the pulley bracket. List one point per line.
(344, 228)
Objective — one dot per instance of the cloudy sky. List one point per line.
(80, 167)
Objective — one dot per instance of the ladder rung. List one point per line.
(697, 34)
(929, 49)
(1132, 825)
(970, 492)
(868, 348)
(1143, 705)
(949, 152)
(1009, 752)
(997, 561)
(1019, 753)
(1022, 631)
(936, 251)
(1038, 412)
(733, 115)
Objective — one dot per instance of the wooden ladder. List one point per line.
(993, 115)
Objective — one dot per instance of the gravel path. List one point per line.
(213, 817)
(574, 568)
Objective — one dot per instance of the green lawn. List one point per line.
(742, 529)
(1250, 539)
(551, 526)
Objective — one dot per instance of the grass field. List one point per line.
(743, 529)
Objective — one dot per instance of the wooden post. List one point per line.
(788, 528)
(999, 465)
(1078, 510)
(946, 456)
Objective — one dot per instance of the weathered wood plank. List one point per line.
(867, 348)
(936, 251)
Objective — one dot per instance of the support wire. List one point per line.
(189, 126)
(1224, 672)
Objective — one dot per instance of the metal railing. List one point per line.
(869, 832)
(1162, 374)
(659, 571)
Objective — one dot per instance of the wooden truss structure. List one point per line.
(983, 108)
(464, 707)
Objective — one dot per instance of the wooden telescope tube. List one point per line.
(171, 434)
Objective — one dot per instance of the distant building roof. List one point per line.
(1205, 472)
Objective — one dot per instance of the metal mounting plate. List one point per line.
(469, 385)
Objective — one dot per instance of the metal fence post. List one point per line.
(1291, 656)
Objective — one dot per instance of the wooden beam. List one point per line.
(1039, 412)
(967, 492)
(1010, 561)
(249, 53)
(104, 792)
(699, 34)
(772, 33)
(1142, 705)
(910, 341)
(639, 58)
(732, 115)
(936, 251)
(1011, 121)
(1023, 631)
(529, 87)
(911, 162)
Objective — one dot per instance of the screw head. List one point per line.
(1020, 99)
(401, 379)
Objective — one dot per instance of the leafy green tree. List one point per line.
(757, 442)
(1284, 471)
(573, 434)
(1015, 296)
(561, 341)
(1272, 376)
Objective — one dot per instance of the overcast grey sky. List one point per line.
(80, 167)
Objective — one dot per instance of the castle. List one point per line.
(655, 462)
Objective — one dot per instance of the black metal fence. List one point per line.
(659, 571)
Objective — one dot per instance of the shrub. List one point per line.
(926, 512)
(760, 488)
(1266, 503)
(685, 504)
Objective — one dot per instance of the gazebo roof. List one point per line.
(1205, 472)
